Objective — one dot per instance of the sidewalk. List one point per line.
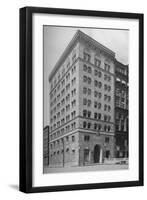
(98, 167)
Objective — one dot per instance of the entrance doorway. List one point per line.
(97, 152)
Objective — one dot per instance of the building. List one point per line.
(82, 104)
(121, 110)
(46, 146)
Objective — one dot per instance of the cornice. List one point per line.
(78, 37)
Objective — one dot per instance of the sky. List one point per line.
(56, 40)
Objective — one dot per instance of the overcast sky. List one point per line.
(57, 38)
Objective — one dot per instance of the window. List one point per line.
(107, 154)
(89, 103)
(84, 113)
(84, 90)
(95, 93)
(95, 104)
(62, 131)
(84, 78)
(62, 102)
(95, 126)
(73, 125)
(109, 108)
(73, 81)
(100, 84)
(87, 57)
(105, 97)
(62, 92)
(84, 67)
(96, 83)
(62, 121)
(89, 70)
(109, 128)
(73, 103)
(99, 116)
(84, 124)
(99, 105)
(67, 138)
(68, 64)
(105, 77)
(109, 98)
(73, 151)
(105, 117)
(95, 115)
(62, 111)
(73, 114)
(107, 67)
(100, 94)
(73, 138)
(67, 150)
(89, 80)
(89, 91)
(105, 87)
(84, 101)
(89, 114)
(89, 125)
(109, 78)
(74, 57)
(67, 87)
(86, 138)
(105, 128)
(97, 62)
(109, 118)
(67, 118)
(99, 74)
(68, 107)
(109, 88)
(105, 107)
(99, 127)
(95, 72)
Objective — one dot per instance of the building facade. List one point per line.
(46, 146)
(82, 104)
(121, 110)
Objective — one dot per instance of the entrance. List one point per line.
(97, 149)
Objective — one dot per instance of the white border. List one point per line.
(40, 179)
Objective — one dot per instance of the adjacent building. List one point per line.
(46, 146)
(82, 104)
(121, 110)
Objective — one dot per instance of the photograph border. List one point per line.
(26, 96)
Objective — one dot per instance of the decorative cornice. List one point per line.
(80, 36)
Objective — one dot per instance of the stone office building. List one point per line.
(82, 104)
(121, 110)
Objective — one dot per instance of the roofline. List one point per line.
(79, 35)
(122, 64)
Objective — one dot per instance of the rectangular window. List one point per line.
(73, 138)
(86, 138)
(97, 62)
(87, 57)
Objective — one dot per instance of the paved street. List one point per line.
(99, 167)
